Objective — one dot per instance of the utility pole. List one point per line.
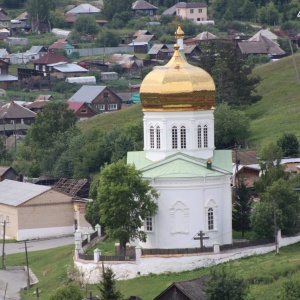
(201, 236)
(3, 246)
(275, 229)
(27, 265)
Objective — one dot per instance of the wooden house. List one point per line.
(37, 105)
(7, 172)
(144, 7)
(42, 64)
(184, 290)
(62, 45)
(101, 98)
(82, 110)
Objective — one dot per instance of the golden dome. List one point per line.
(177, 86)
(179, 32)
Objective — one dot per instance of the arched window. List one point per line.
(182, 137)
(210, 219)
(157, 137)
(174, 137)
(152, 137)
(199, 136)
(205, 137)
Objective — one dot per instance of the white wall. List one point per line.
(159, 265)
(39, 233)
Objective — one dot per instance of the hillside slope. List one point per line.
(279, 110)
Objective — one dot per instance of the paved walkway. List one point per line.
(12, 280)
(37, 245)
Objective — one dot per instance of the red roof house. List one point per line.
(41, 64)
(82, 110)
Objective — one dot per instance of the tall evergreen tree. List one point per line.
(242, 208)
(107, 286)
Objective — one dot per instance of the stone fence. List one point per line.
(158, 264)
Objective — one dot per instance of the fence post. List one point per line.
(216, 246)
(138, 253)
(77, 250)
(279, 238)
(78, 239)
(97, 255)
(88, 235)
(98, 228)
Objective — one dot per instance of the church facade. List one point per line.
(179, 157)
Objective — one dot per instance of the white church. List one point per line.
(179, 157)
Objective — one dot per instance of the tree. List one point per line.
(70, 292)
(270, 157)
(242, 209)
(223, 285)
(40, 11)
(125, 199)
(107, 38)
(54, 119)
(231, 72)
(279, 197)
(86, 25)
(289, 144)
(107, 286)
(110, 8)
(231, 126)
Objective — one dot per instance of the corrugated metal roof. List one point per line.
(84, 9)
(13, 110)
(51, 58)
(190, 5)
(7, 77)
(36, 49)
(3, 169)
(156, 48)
(87, 93)
(252, 48)
(143, 38)
(69, 68)
(264, 32)
(15, 193)
(142, 5)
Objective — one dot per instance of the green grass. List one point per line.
(278, 112)
(265, 273)
(107, 247)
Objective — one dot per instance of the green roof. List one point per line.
(180, 165)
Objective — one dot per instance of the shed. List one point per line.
(7, 172)
(105, 76)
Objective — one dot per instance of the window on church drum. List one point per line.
(157, 137)
(199, 136)
(183, 137)
(152, 137)
(149, 223)
(210, 216)
(174, 137)
(205, 136)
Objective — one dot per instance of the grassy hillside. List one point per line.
(279, 110)
(265, 273)
(118, 118)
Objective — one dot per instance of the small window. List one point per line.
(182, 137)
(100, 106)
(205, 136)
(174, 137)
(157, 137)
(112, 107)
(191, 11)
(210, 216)
(105, 95)
(149, 223)
(199, 136)
(83, 111)
(200, 10)
(152, 137)
(198, 19)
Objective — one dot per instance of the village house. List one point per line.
(62, 45)
(25, 21)
(196, 12)
(82, 110)
(38, 104)
(101, 98)
(13, 113)
(42, 64)
(144, 7)
(63, 70)
(52, 213)
(4, 18)
(6, 79)
(7, 172)
(203, 36)
(84, 8)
